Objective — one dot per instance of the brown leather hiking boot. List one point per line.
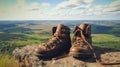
(59, 43)
(81, 41)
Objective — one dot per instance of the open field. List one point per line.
(106, 41)
(21, 34)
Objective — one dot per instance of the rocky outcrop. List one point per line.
(111, 57)
(27, 58)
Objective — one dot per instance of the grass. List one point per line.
(106, 41)
(7, 61)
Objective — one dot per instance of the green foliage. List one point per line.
(9, 42)
(113, 29)
(7, 47)
(10, 28)
(7, 61)
(100, 29)
(116, 31)
(106, 40)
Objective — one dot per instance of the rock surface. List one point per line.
(26, 58)
(111, 57)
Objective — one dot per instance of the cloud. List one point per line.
(71, 4)
(34, 6)
(81, 1)
(112, 8)
(88, 1)
(68, 9)
(84, 8)
(23, 10)
(65, 4)
(21, 2)
(76, 8)
(115, 3)
(44, 4)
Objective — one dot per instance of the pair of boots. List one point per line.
(60, 42)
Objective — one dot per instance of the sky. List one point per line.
(59, 9)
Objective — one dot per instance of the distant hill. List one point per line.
(27, 26)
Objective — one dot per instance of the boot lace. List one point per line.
(78, 40)
(51, 42)
(84, 42)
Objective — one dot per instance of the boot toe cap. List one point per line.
(38, 52)
(75, 49)
(79, 50)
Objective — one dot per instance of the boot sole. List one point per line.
(51, 55)
(81, 55)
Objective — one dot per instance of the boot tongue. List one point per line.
(82, 26)
(58, 31)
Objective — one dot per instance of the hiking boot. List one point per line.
(81, 41)
(59, 43)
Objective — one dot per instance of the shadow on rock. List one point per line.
(99, 51)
